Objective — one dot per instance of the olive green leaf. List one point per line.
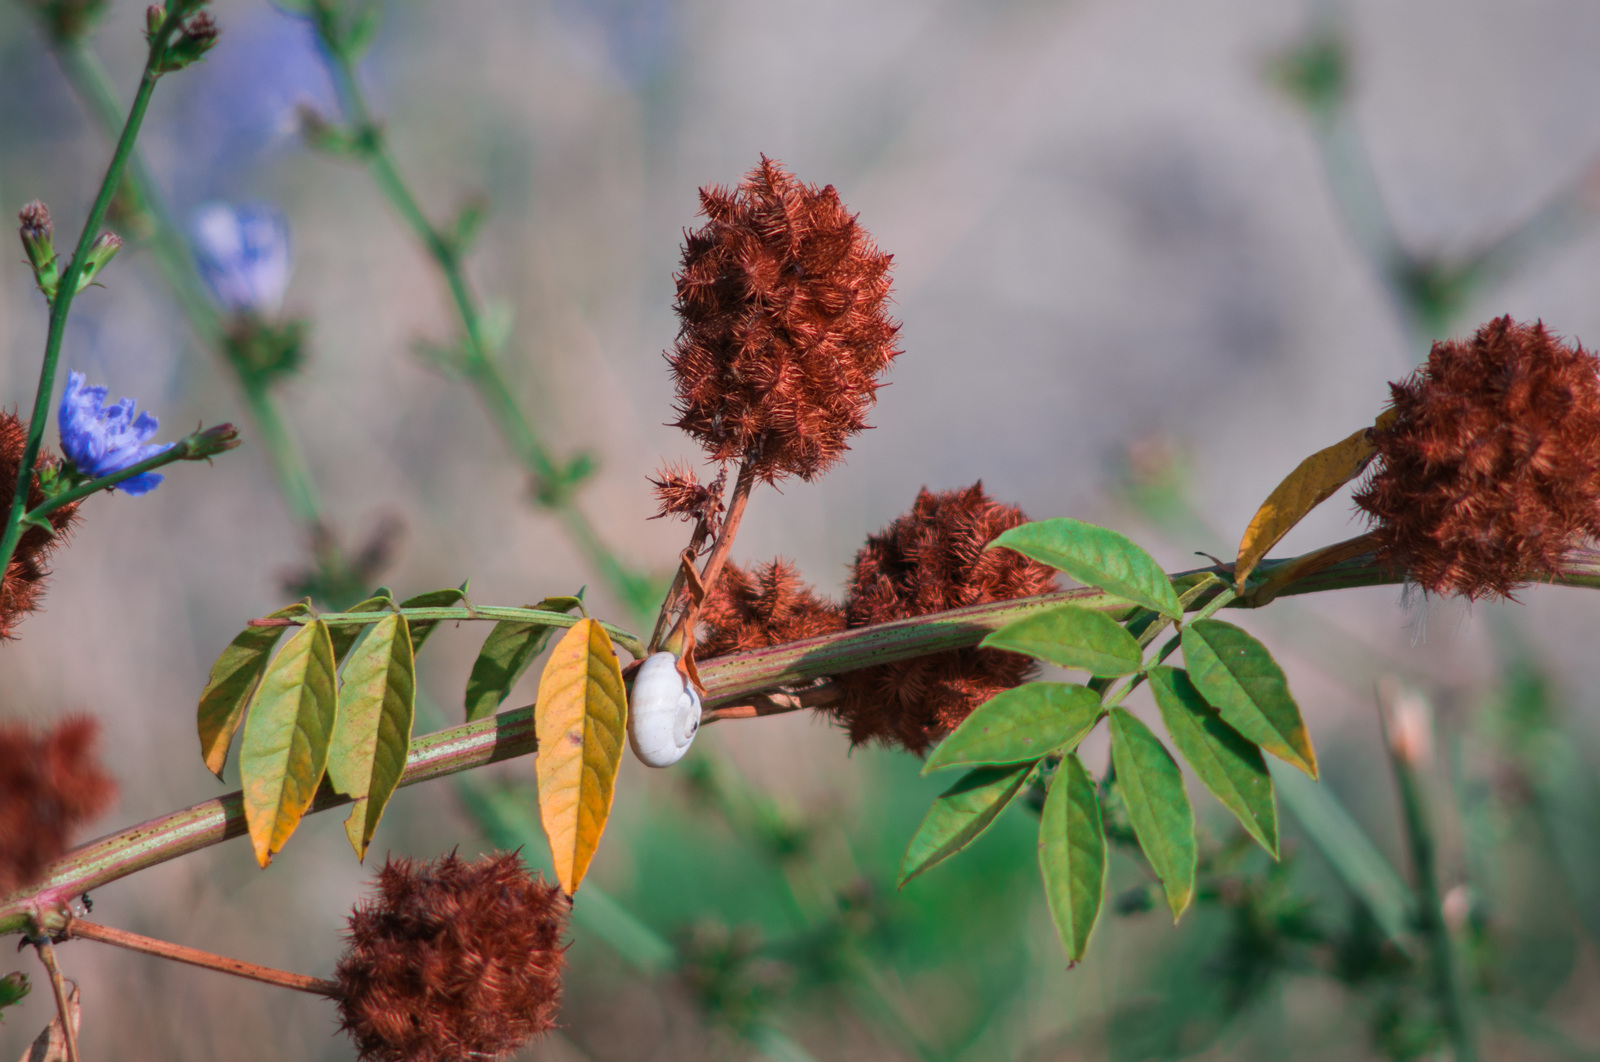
(1226, 764)
(372, 735)
(345, 635)
(1096, 556)
(1158, 807)
(960, 815)
(421, 629)
(1020, 725)
(286, 733)
(505, 656)
(233, 678)
(1073, 637)
(1072, 855)
(1237, 676)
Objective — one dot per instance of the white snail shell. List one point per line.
(663, 713)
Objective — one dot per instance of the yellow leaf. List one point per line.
(580, 719)
(1308, 486)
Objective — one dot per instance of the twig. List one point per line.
(77, 927)
(677, 640)
(58, 984)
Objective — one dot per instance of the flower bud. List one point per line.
(198, 36)
(155, 16)
(38, 239)
(212, 441)
(100, 254)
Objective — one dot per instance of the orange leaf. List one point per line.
(580, 720)
(1312, 482)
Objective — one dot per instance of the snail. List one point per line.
(663, 713)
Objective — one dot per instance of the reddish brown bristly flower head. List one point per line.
(929, 560)
(22, 586)
(50, 785)
(784, 330)
(682, 495)
(452, 960)
(1490, 472)
(769, 605)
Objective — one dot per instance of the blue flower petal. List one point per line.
(101, 440)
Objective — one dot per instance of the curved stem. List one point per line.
(67, 287)
(78, 928)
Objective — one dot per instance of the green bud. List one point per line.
(100, 254)
(38, 239)
(154, 18)
(198, 36)
(205, 444)
(13, 986)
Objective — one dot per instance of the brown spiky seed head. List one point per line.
(1490, 471)
(22, 586)
(51, 783)
(452, 960)
(767, 605)
(932, 559)
(784, 329)
(681, 494)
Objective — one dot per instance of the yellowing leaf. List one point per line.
(579, 719)
(233, 679)
(367, 753)
(1311, 483)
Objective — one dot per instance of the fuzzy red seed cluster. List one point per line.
(1490, 472)
(784, 331)
(932, 559)
(681, 494)
(22, 586)
(768, 605)
(50, 784)
(452, 960)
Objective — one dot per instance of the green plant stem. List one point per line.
(182, 450)
(89, 79)
(728, 679)
(1450, 992)
(476, 359)
(67, 288)
(490, 613)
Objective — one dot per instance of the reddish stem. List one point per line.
(195, 957)
(677, 641)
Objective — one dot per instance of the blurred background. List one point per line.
(1148, 255)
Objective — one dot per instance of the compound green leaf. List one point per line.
(1096, 556)
(505, 656)
(1020, 725)
(1072, 855)
(344, 636)
(1158, 807)
(960, 815)
(421, 629)
(1237, 676)
(1226, 764)
(286, 733)
(372, 735)
(1071, 636)
(233, 678)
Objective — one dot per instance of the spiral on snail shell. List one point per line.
(663, 712)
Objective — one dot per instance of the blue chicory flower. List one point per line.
(100, 439)
(243, 254)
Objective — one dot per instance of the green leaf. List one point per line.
(1072, 855)
(233, 679)
(1074, 637)
(1237, 676)
(505, 655)
(562, 602)
(960, 815)
(1226, 764)
(421, 629)
(373, 733)
(1158, 807)
(345, 636)
(1020, 725)
(286, 732)
(1096, 556)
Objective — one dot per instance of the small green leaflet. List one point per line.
(1020, 725)
(372, 736)
(233, 679)
(1158, 806)
(505, 656)
(1072, 855)
(960, 815)
(1237, 676)
(1073, 637)
(286, 733)
(421, 629)
(345, 635)
(1096, 556)
(1228, 765)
